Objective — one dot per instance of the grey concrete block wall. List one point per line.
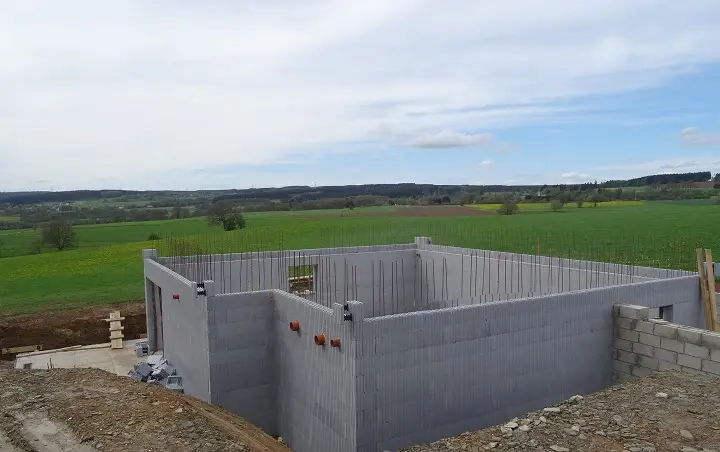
(316, 387)
(185, 328)
(430, 374)
(644, 345)
(241, 335)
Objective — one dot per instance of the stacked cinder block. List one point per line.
(644, 345)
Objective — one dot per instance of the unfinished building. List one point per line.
(381, 347)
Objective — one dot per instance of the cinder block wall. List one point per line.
(185, 328)
(427, 375)
(243, 373)
(645, 345)
(279, 379)
(450, 276)
(316, 384)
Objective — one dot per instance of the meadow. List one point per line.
(107, 267)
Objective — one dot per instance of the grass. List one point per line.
(8, 219)
(107, 268)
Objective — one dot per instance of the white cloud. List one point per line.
(449, 139)
(575, 178)
(661, 166)
(138, 92)
(695, 137)
(487, 163)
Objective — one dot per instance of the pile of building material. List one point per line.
(158, 371)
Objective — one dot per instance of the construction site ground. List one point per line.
(57, 329)
(663, 412)
(92, 410)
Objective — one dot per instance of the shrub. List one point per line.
(154, 236)
(59, 234)
(556, 205)
(508, 208)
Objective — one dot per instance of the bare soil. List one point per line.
(406, 212)
(56, 329)
(663, 412)
(92, 410)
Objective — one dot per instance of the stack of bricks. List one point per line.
(643, 345)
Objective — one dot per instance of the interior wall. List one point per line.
(433, 374)
(446, 279)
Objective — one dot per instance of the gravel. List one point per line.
(664, 412)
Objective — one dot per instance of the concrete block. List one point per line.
(689, 336)
(633, 312)
(711, 367)
(665, 355)
(711, 339)
(689, 361)
(632, 336)
(626, 357)
(622, 367)
(649, 339)
(715, 355)
(628, 324)
(621, 344)
(665, 365)
(665, 330)
(642, 349)
(691, 371)
(644, 326)
(639, 371)
(650, 363)
(672, 345)
(697, 351)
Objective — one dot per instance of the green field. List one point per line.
(107, 267)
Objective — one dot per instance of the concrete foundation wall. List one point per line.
(644, 345)
(243, 373)
(431, 374)
(185, 328)
(316, 388)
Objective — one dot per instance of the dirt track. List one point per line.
(56, 329)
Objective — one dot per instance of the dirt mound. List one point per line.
(56, 329)
(664, 412)
(100, 411)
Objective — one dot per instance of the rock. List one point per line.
(661, 395)
(542, 419)
(687, 435)
(688, 449)
(524, 428)
(511, 425)
(575, 398)
(600, 432)
(492, 445)
(552, 409)
(617, 419)
(557, 448)
(506, 430)
(179, 410)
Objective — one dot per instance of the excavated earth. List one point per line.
(663, 412)
(91, 410)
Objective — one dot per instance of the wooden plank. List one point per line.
(116, 343)
(703, 291)
(710, 277)
(21, 349)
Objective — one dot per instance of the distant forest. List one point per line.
(299, 194)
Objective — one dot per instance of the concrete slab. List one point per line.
(100, 356)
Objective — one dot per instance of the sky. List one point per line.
(235, 94)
